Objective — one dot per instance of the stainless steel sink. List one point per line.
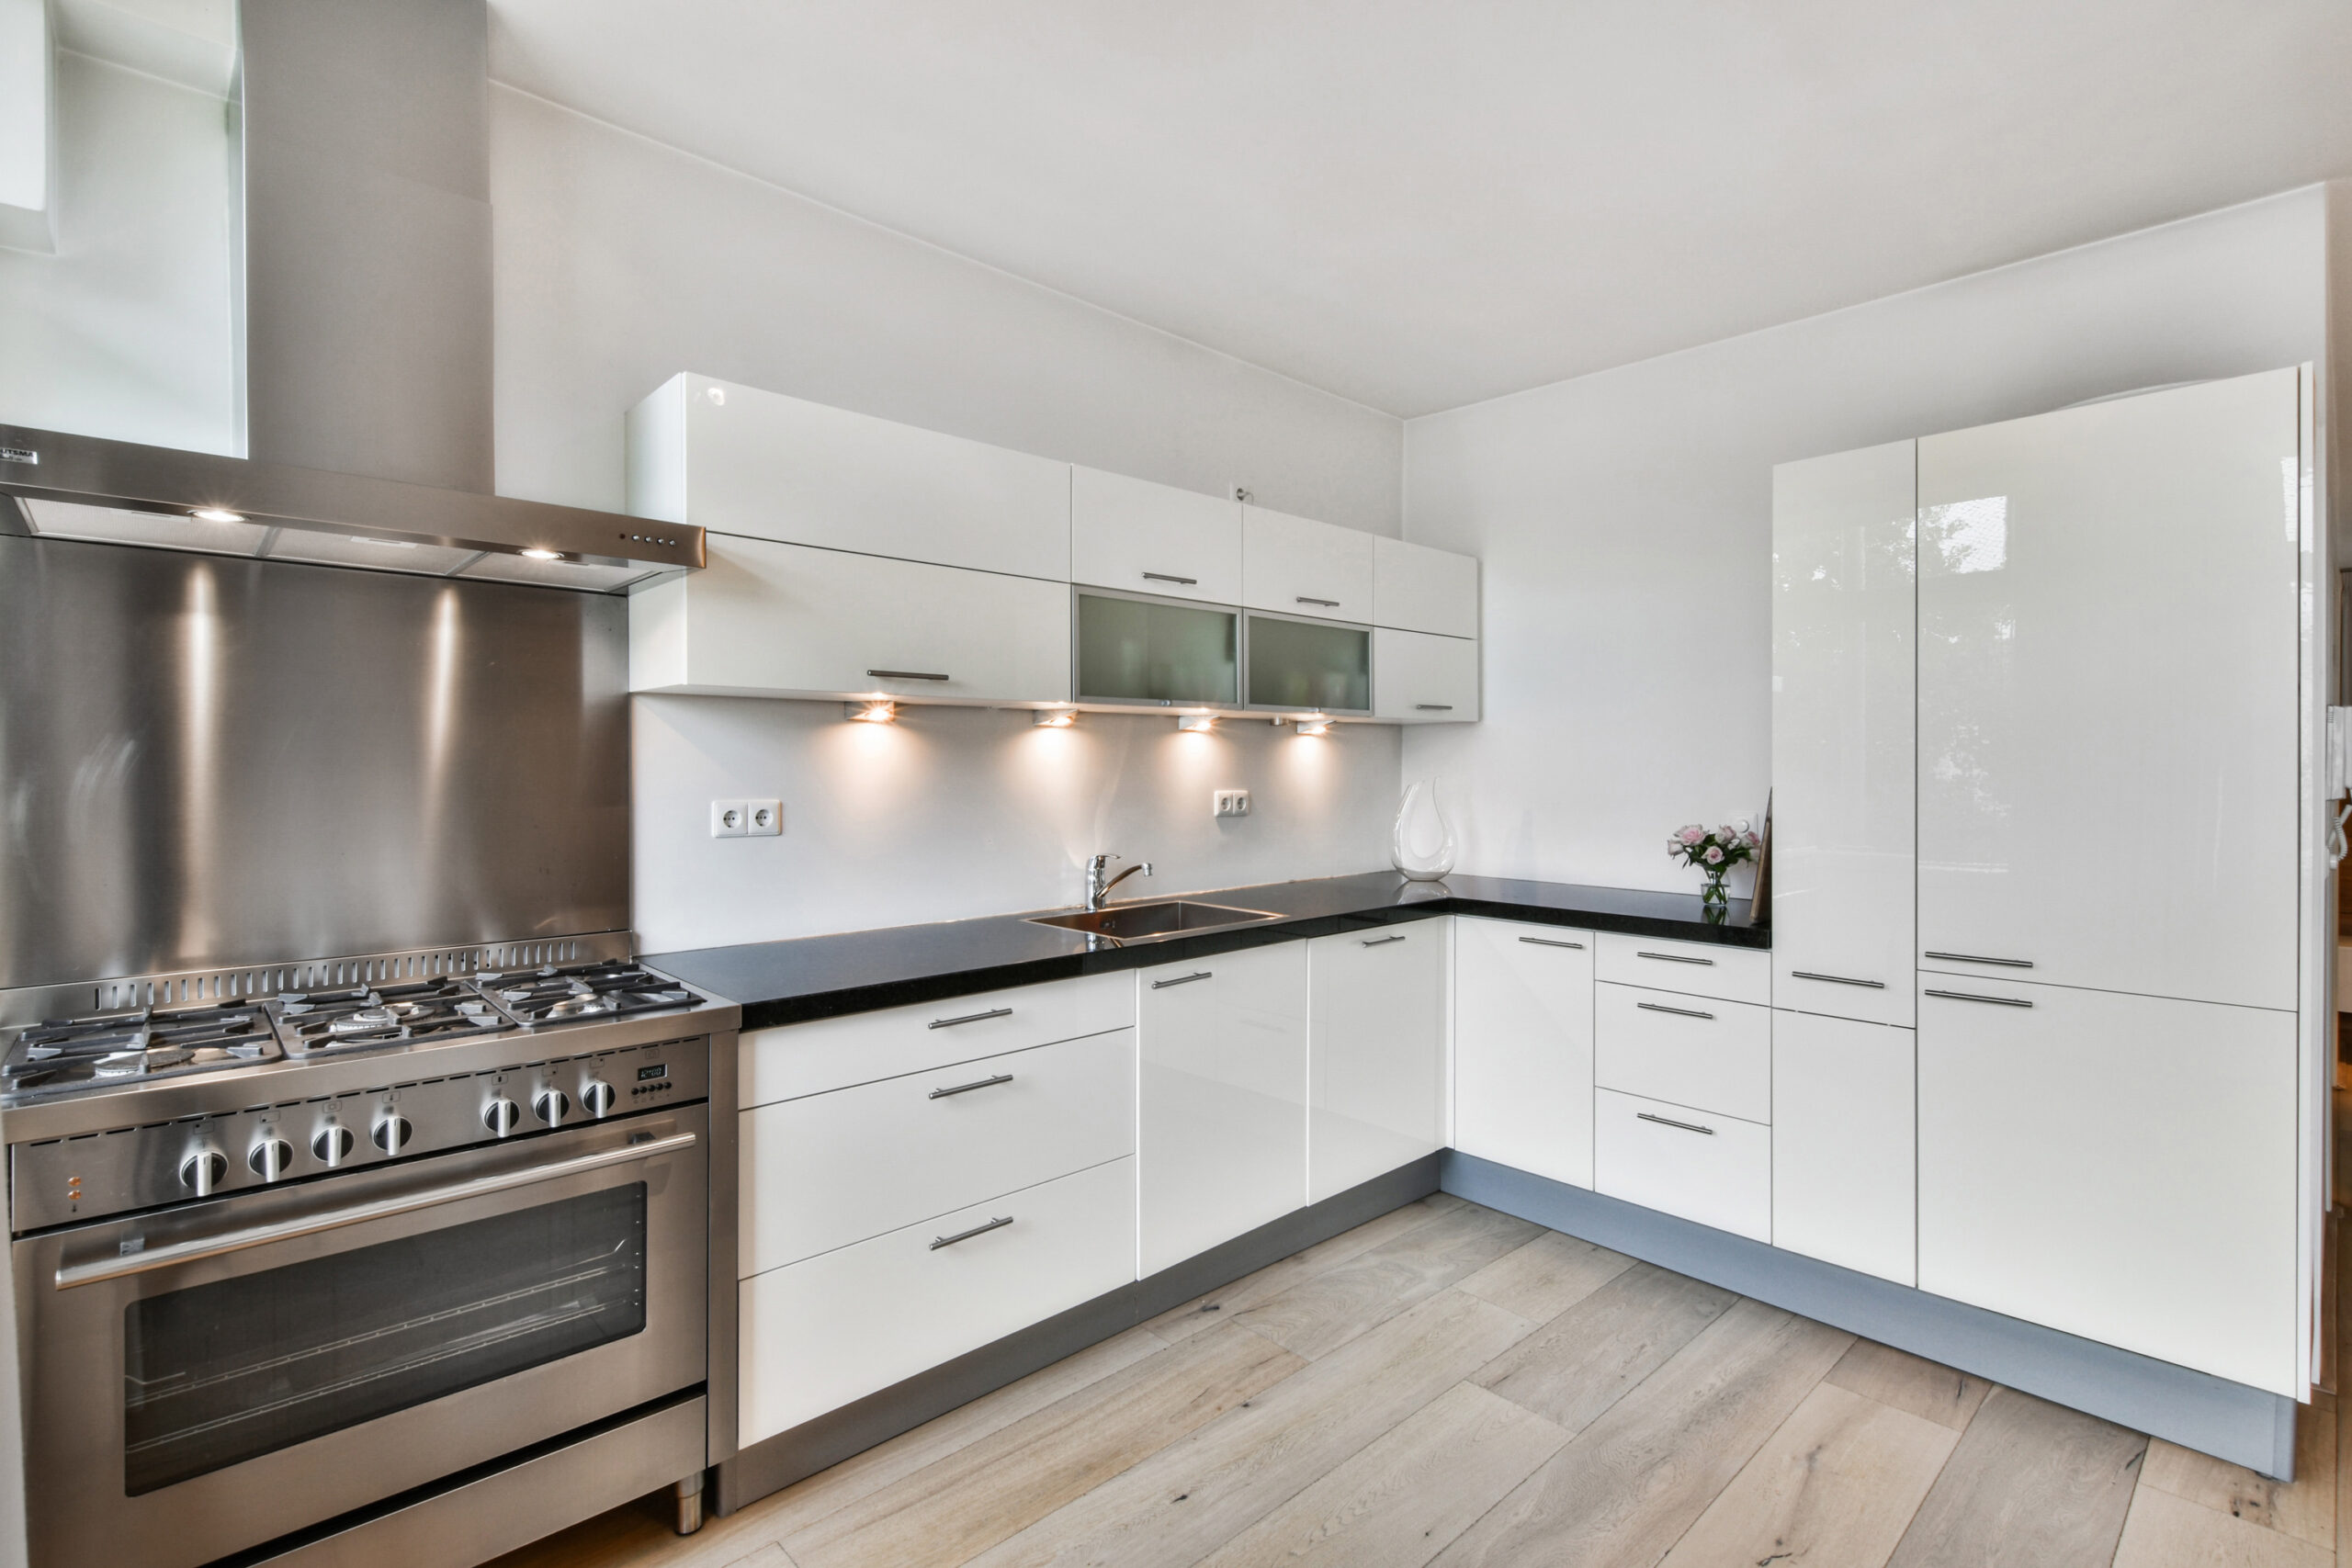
(1170, 917)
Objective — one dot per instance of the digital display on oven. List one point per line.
(659, 1070)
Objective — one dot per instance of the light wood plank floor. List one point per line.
(1449, 1385)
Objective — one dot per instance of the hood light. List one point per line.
(384, 544)
(1314, 724)
(880, 711)
(542, 555)
(216, 514)
(1054, 719)
(1197, 723)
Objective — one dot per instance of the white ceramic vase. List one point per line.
(1423, 845)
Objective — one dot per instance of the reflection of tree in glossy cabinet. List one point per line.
(1376, 1055)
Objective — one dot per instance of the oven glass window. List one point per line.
(220, 1374)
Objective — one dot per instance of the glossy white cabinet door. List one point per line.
(1300, 567)
(738, 460)
(1222, 1099)
(1154, 539)
(1844, 1144)
(1845, 630)
(1522, 1046)
(1712, 1168)
(1376, 1051)
(2121, 1167)
(766, 619)
(1418, 589)
(1420, 678)
(2108, 689)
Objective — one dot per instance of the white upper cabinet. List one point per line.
(1420, 678)
(786, 621)
(1417, 588)
(2107, 687)
(1522, 1046)
(735, 459)
(1154, 539)
(1845, 631)
(1299, 567)
(1376, 1051)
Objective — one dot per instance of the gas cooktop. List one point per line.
(365, 1016)
(146, 1043)
(614, 988)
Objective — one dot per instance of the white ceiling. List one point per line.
(1422, 205)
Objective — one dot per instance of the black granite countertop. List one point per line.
(821, 976)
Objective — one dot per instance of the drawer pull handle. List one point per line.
(1167, 577)
(1975, 958)
(905, 675)
(970, 1018)
(1670, 1121)
(1326, 603)
(1547, 941)
(1676, 958)
(1381, 941)
(939, 1241)
(1434, 707)
(1971, 997)
(1837, 979)
(1679, 1012)
(968, 1088)
(1185, 979)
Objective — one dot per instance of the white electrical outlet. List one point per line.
(730, 819)
(767, 819)
(1231, 802)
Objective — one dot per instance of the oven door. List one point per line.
(210, 1377)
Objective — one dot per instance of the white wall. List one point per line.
(1624, 518)
(953, 812)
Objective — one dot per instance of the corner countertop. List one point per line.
(824, 977)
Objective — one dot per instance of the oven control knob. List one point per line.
(333, 1145)
(553, 1105)
(270, 1157)
(500, 1116)
(597, 1096)
(203, 1170)
(392, 1134)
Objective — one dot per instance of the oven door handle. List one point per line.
(179, 1252)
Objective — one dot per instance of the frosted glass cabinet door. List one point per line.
(1223, 1097)
(1845, 625)
(2108, 691)
(1522, 1046)
(1376, 1052)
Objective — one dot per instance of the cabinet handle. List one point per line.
(1381, 941)
(1971, 997)
(1679, 1012)
(1547, 941)
(968, 1088)
(1670, 1121)
(1165, 577)
(906, 675)
(1974, 958)
(1434, 707)
(1837, 979)
(1326, 603)
(1185, 979)
(1675, 958)
(970, 1018)
(939, 1241)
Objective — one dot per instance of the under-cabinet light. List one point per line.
(1314, 724)
(216, 514)
(880, 711)
(1196, 723)
(1054, 719)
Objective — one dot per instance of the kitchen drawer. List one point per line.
(1714, 1169)
(827, 1170)
(1694, 968)
(1695, 1051)
(834, 1053)
(822, 1332)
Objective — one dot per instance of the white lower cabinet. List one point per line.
(1696, 1051)
(1844, 1144)
(1376, 1051)
(818, 1333)
(2121, 1168)
(1714, 1169)
(1222, 1099)
(1522, 1046)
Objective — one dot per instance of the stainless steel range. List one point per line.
(353, 1264)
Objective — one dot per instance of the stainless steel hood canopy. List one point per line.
(78, 487)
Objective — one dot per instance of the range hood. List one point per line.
(55, 485)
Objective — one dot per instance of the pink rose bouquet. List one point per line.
(1715, 851)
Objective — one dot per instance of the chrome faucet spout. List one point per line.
(1098, 889)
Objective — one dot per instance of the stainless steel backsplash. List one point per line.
(214, 759)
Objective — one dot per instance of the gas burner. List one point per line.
(126, 1047)
(365, 1016)
(579, 991)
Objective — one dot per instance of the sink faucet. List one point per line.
(1097, 889)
